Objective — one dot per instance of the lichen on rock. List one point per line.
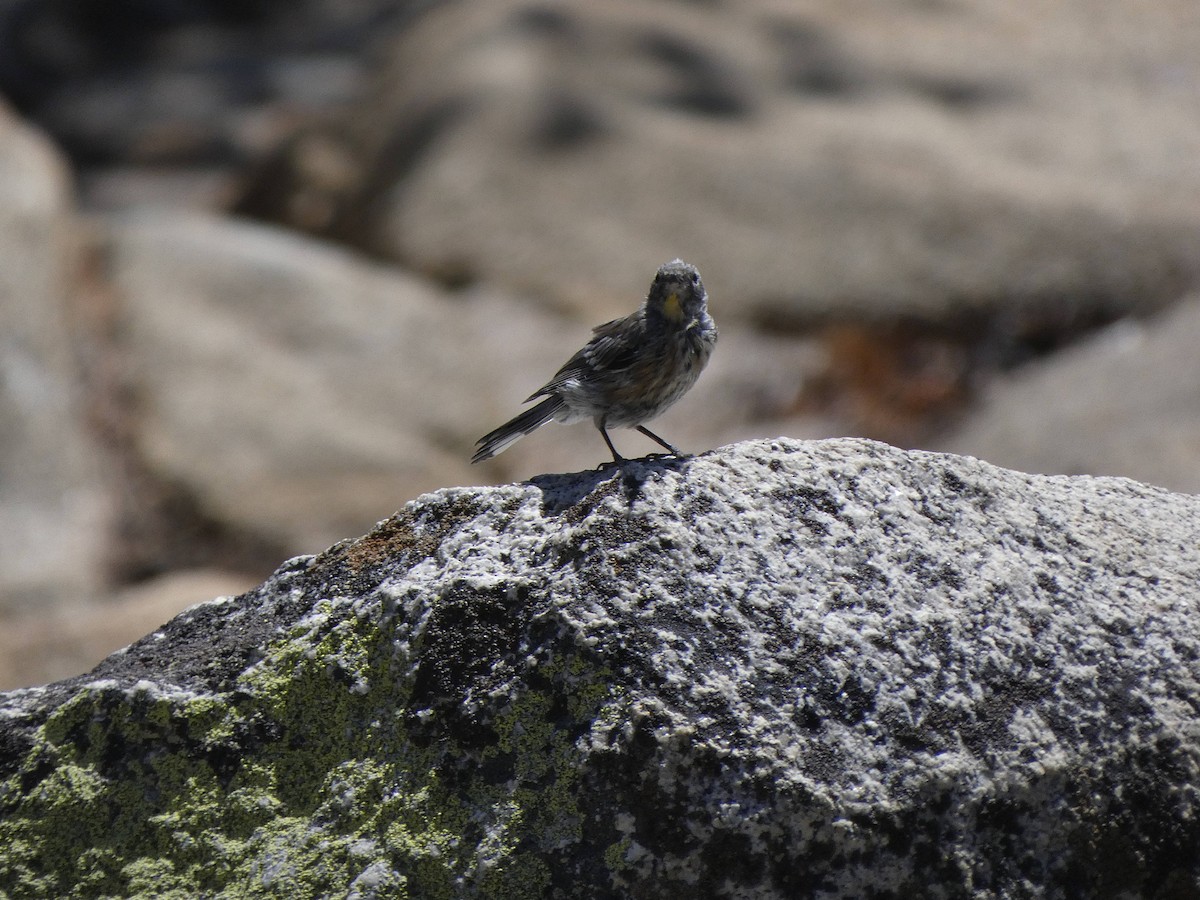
(781, 669)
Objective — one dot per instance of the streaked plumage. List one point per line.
(630, 371)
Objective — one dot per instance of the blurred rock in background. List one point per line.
(1121, 402)
(52, 498)
(969, 163)
(312, 252)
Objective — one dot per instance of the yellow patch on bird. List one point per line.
(672, 308)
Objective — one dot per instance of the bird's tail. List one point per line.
(510, 432)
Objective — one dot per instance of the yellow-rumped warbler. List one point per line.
(630, 371)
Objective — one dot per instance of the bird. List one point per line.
(631, 370)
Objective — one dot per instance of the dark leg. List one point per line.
(654, 437)
(617, 457)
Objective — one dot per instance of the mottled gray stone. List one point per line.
(781, 669)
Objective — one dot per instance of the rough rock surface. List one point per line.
(777, 670)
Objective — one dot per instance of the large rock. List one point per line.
(778, 670)
(1124, 402)
(898, 161)
(52, 510)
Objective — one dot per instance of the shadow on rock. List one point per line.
(563, 491)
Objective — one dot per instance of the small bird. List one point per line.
(630, 371)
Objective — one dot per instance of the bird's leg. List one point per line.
(654, 437)
(617, 457)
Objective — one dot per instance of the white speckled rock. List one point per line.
(781, 669)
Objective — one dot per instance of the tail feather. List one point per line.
(512, 431)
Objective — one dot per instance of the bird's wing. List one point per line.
(613, 347)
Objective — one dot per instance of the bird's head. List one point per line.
(677, 293)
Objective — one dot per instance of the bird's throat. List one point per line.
(672, 308)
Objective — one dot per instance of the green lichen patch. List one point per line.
(317, 772)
